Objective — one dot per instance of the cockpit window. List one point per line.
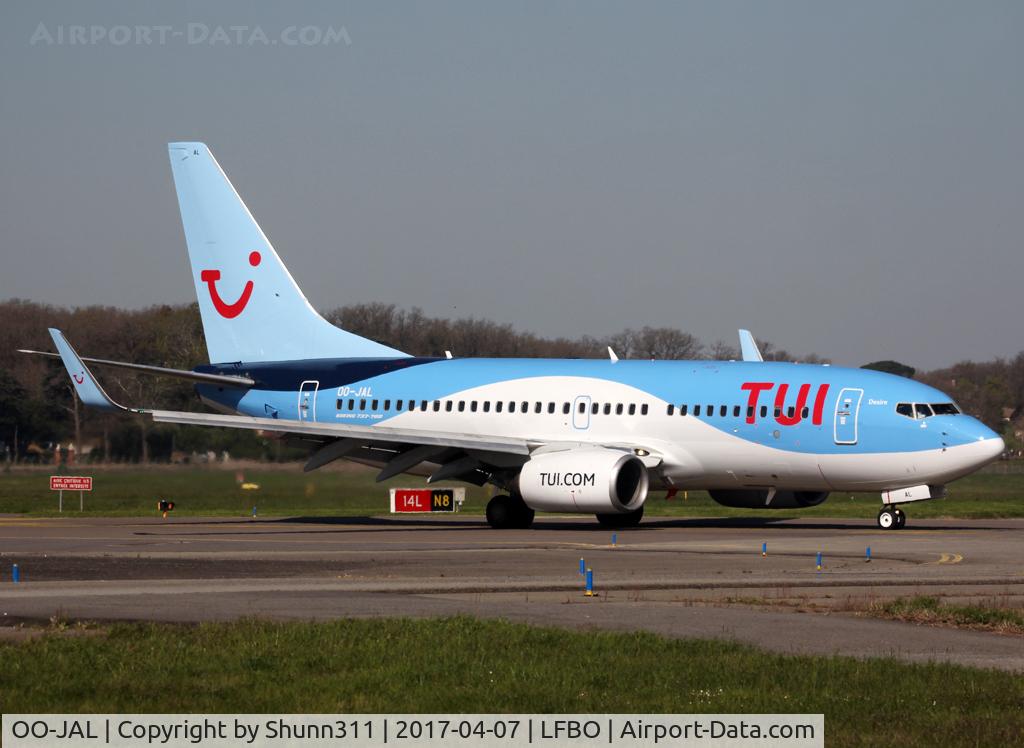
(918, 411)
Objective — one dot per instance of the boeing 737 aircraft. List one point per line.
(585, 436)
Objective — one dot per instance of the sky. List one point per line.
(842, 178)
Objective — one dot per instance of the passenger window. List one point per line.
(339, 404)
(594, 408)
(537, 407)
(922, 410)
(448, 406)
(387, 405)
(750, 411)
(525, 407)
(696, 410)
(671, 409)
(472, 406)
(566, 407)
(373, 406)
(792, 411)
(362, 405)
(736, 411)
(487, 406)
(551, 407)
(423, 404)
(723, 411)
(398, 405)
(618, 409)
(351, 404)
(804, 412)
(607, 409)
(632, 409)
(412, 405)
(905, 409)
(643, 409)
(511, 406)
(583, 407)
(462, 406)
(437, 406)
(498, 406)
(682, 409)
(764, 411)
(778, 412)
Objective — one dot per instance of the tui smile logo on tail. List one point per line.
(224, 309)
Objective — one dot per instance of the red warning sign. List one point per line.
(70, 483)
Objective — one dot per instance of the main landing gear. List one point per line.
(509, 512)
(892, 518)
(629, 519)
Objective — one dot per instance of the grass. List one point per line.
(933, 611)
(466, 665)
(350, 490)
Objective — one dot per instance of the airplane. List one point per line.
(567, 436)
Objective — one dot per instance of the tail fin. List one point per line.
(252, 309)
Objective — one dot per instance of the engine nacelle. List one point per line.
(755, 498)
(591, 480)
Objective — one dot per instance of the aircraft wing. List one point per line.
(195, 376)
(464, 456)
(368, 434)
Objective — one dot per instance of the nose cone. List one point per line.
(988, 445)
(993, 446)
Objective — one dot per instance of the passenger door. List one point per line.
(307, 400)
(847, 412)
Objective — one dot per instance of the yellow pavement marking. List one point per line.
(949, 558)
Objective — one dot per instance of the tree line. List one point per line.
(39, 411)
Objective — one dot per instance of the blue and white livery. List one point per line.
(588, 436)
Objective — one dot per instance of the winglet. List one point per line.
(611, 355)
(88, 389)
(749, 347)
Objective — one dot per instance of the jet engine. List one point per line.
(757, 498)
(592, 480)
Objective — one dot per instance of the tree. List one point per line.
(892, 367)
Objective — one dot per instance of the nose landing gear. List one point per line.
(892, 518)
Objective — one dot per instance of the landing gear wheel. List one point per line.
(901, 518)
(508, 512)
(887, 519)
(627, 519)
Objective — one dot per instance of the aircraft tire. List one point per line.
(627, 519)
(887, 519)
(501, 512)
(509, 512)
(901, 518)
